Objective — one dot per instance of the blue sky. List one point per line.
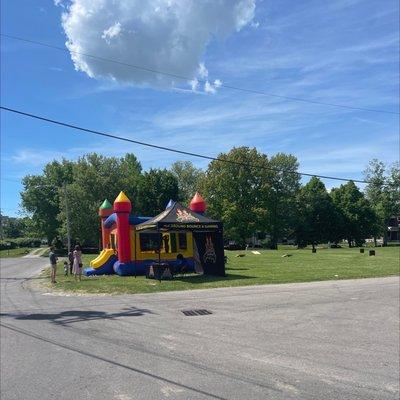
(344, 51)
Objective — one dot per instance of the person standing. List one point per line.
(77, 268)
(71, 261)
(66, 268)
(53, 264)
(165, 239)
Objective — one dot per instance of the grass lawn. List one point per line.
(18, 252)
(268, 267)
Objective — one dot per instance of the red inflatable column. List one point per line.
(105, 211)
(197, 204)
(122, 207)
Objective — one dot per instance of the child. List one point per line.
(66, 267)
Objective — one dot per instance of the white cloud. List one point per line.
(217, 83)
(209, 88)
(212, 87)
(202, 71)
(194, 83)
(164, 35)
(233, 112)
(112, 32)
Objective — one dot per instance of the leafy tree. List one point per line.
(383, 192)
(95, 178)
(83, 185)
(318, 219)
(40, 199)
(188, 177)
(359, 219)
(280, 203)
(237, 193)
(130, 175)
(11, 227)
(59, 173)
(156, 187)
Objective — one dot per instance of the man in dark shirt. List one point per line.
(53, 264)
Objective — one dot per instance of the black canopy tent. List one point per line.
(207, 234)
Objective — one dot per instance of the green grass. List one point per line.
(268, 267)
(18, 252)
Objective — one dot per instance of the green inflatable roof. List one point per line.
(106, 205)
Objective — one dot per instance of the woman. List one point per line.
(77, 268)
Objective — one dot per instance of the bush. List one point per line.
(266, 243)
(90, 250)
(19, 242)
(7, 244)
(28, 242)
(57, 243)
(61, 252)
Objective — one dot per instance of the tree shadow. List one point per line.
(68, 317)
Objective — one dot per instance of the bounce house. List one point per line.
(132, 243)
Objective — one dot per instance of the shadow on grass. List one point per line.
(210, 278)
(67, 317)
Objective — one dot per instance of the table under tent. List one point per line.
(179, 227)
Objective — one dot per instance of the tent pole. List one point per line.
(159, 246)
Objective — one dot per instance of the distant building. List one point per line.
(393, 229)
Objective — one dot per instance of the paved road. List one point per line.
(326, 340)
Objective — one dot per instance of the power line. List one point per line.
(186, 78)
(99, 133)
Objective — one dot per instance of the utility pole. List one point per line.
(67, 217)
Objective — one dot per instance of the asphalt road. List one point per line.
(323, 340)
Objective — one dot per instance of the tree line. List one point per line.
(269, 197)
(250, 192)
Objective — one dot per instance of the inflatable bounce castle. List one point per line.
(132, 243)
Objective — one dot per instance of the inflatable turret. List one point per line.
(198, 204)
(105, 210)
(122, 208)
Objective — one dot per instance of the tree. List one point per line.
(11, 227)
(59, 173)
(280, 202)
(155, 188)
(84, 184)
(236, 190)
(383, 192)
(96, 178)
(359, 219)
(41, 198)
(41, 201)
(188, 177)
(317, 220)
(130, 175)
